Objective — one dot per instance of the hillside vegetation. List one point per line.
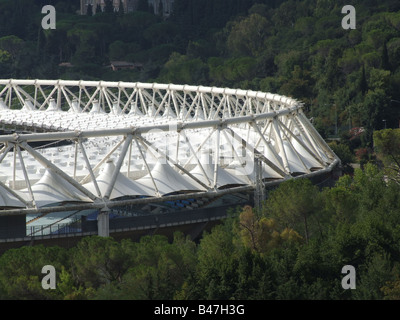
(347, 78)
(296, 251)
(296, 245)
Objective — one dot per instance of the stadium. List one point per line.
(81, 157)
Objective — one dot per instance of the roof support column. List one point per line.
(103, 222)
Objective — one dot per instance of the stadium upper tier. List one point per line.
(89, 142)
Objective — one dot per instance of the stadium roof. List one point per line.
(92, 142)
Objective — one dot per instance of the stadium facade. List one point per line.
(164, 7)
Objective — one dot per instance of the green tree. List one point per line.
(86, 42)
(261, 234)
(344, 153)
(160, 33)
(341, 201)
(89, 10)
(387, 144)
(232, 71)
(97, 261)
(316, 271)
(373, 276)
(109, 6)
(181, 69)
(21, 272)
(248, 36)
(391, 289)
(12, 45)
(300, 198)
(143, 5)
(217, 262)
(157, 270)
(5, 56)
(298, 85)
(120, 9)
(373, 112)
(117, 50)
(68, 288)
(370, 187)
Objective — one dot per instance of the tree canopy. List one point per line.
(346, 78)
(387, 143)
(253, 254)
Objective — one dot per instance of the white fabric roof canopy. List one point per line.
(52, 189)
(239, 121)
(123, 185)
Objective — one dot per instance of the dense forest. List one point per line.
(274, 253)
(348, 79)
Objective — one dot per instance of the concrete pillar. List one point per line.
(103, 223)
(259, 191)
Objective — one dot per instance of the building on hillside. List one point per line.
(124, 65)
(129, 5)
(166, 6)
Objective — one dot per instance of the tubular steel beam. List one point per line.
(46, 163)
(116, 203)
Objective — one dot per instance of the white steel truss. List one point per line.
(61, 138)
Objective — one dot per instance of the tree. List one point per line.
(158, 269)
(363, 82)
(117, 50)
(109, 6)
(375, 275)
(86, 43)
(98, 261)
(285, 15)
(387, 144)
(373, 111)
(21, 272)
(344, 153)
(161, 267)
(391, 289)
(12, 45)
(341, 201)
(217, 263)
(298, 85)
(161, 9)
(248, 36)
(232, 70)
(89, 10)
(120, 8)
(261, 234)
(160, 33)
(385, 58)
(143, 5)
(378, 200)
(181, 69)
(5, 56)
(294, 203)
